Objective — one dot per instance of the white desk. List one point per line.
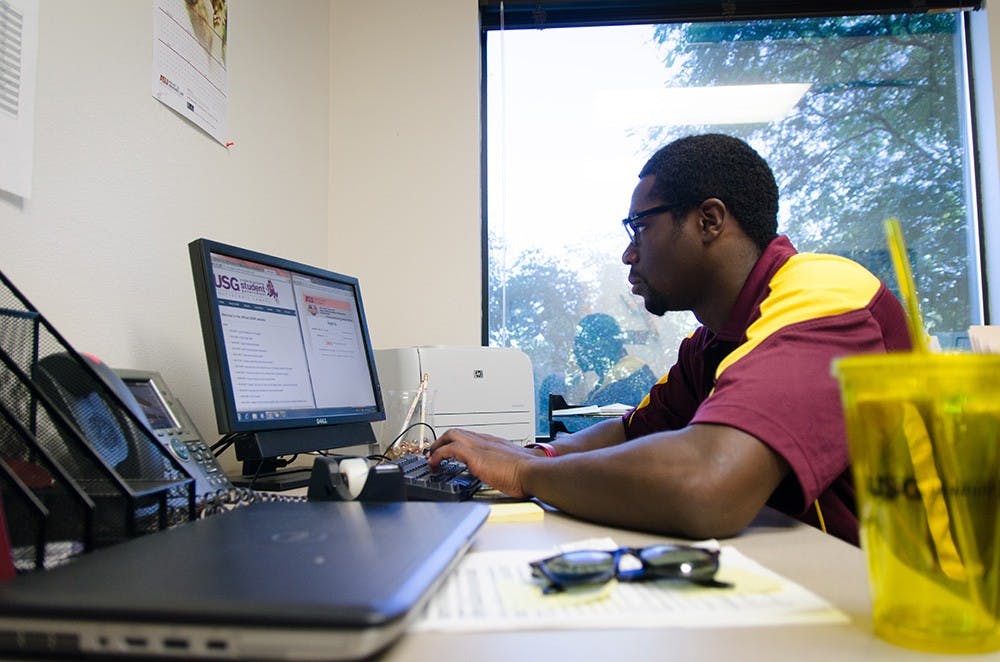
(830, 568)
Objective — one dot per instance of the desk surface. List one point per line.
(825, 565)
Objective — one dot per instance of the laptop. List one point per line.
(284, 581)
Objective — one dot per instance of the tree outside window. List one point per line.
(881, 131)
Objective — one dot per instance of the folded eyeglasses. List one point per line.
(589, 567)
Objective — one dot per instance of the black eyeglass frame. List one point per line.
(633, 231)
(679, 566)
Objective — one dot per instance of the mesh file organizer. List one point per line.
(31, 492)
(78, 468)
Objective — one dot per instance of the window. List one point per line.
(862, 118)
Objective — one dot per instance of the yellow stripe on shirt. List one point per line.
(849, 287)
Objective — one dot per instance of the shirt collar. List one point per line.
(755, 288)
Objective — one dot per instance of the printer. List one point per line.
(485, 389)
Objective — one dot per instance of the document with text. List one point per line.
(189, 61)
(494, 590)
(18, 74)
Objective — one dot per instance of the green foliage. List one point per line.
(541, 301)
(879, 135)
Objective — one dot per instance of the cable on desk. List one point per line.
(222, 501)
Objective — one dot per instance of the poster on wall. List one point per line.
(18, 57)
(189, 61)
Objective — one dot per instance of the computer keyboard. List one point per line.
(451, 481)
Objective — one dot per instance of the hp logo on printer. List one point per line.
(477, 374)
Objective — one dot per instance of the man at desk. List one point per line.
(749, 415)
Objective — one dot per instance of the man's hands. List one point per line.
(497, 462)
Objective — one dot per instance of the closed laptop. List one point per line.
(287, 581)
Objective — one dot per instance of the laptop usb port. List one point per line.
(216, 645)
(175, 643)
(136, 642)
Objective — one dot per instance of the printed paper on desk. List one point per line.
(494, 590)
(616, 409)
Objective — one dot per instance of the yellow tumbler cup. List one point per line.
(924, 437)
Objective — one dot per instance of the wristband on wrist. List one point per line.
(548, 449)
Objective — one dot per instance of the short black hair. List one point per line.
(695, 168)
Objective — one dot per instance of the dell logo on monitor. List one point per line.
(320, 421)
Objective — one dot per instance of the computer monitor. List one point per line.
(289, 358)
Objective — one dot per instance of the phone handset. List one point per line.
(99, 418)
(103, 423)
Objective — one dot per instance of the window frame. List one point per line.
(526, 14)
(522, 14)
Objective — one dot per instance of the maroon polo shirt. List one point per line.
(767, 373)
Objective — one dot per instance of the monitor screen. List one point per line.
(288, 350)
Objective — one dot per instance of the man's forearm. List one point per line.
(602, 435)
(634, 485)
(700, 482)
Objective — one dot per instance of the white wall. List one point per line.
(122, 184)
(404, 189)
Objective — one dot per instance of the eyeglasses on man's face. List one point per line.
(634, 225)
(588, 567)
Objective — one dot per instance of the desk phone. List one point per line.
(174, 429)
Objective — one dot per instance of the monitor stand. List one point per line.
(274, 481)
(260, 452)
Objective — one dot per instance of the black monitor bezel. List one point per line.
(201, 251)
